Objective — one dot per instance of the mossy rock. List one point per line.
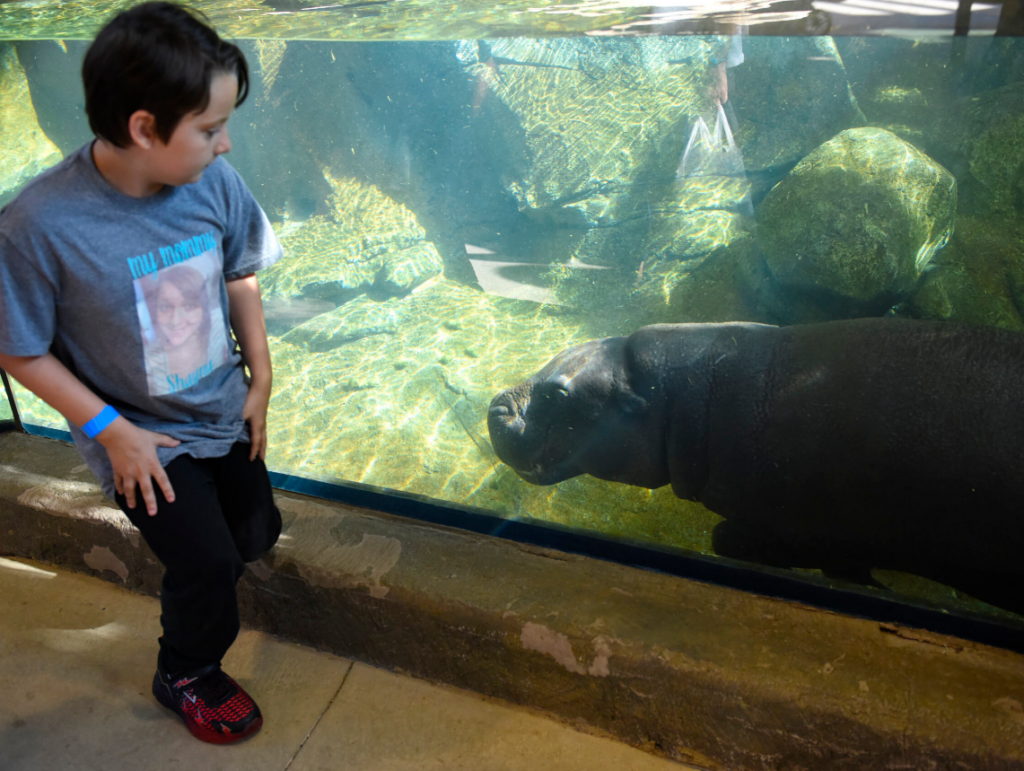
(978, 278)
(371, 243)
(719, 288)
(980, 139)
(850, 230)
(997, 161)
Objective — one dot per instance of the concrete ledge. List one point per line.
(702, 674)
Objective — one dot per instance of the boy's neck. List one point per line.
(123, 169)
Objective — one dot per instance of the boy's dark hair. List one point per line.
(159, 57)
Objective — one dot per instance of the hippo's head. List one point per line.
(580, 415)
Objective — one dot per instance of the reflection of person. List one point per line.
(150, 192)
(731, 56)
(179, 307)
(689, 18)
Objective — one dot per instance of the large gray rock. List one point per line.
(851, 229)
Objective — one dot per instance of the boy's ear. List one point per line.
(142, 129)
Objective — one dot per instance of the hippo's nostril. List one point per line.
(499, 410)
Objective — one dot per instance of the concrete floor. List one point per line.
(76, 663)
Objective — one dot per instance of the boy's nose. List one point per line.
(224, 145)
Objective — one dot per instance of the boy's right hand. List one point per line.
(132, 452)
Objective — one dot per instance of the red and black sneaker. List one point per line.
(214, 707)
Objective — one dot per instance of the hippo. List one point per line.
(845, 446)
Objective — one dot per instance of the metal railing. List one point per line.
(15, 423)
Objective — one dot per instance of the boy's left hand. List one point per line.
(254, 412)
(246, 310)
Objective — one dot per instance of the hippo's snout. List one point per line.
(506, 423)
(506, 415)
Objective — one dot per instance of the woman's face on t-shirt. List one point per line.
(177, 317)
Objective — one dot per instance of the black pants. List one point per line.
(223, 516)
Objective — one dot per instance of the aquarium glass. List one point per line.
(464, 189)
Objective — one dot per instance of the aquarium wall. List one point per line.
(462, 192)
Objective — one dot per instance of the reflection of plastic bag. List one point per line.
(710, 154)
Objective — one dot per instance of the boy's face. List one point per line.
(198, 138)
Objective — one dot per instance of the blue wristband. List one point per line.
(107, 416)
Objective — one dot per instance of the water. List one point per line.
(464, 191)
(5, 410)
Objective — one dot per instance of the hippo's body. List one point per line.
(846, 445)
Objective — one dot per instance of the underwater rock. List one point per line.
(713, 290)
(593, 132)
(370, 244)
(978, 278)
(352, 321)
(698, 216)
(392, 115)
(844, 446)
(900, 85)
(789, 96)
(854, 225)
(985, 138)
(979, 139)
(583, 120)
(996, 160)
(24, 148)
(282, 314)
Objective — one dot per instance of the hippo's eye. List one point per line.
(558, 392)
(560, 385)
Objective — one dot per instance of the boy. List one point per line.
(123, 271)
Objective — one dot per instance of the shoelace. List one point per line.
(217, 685)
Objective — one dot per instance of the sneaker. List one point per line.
(214, 707)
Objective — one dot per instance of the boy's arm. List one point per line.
(132, 450)
(246, 311)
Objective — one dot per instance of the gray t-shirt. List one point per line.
(129, 294)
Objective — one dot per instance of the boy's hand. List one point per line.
(132, 452)
(246, 311)
(718, 89)
(254, 411)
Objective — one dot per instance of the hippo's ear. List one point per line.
(629, 403)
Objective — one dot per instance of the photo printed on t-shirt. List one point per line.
(182, 325)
